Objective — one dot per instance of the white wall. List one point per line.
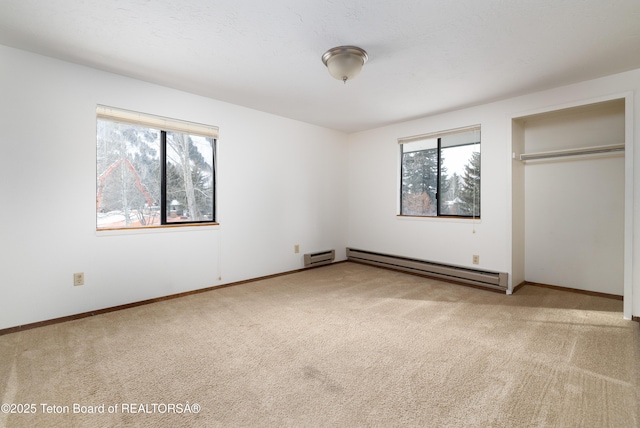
(518, 204)
(574, 207)
(279, 184)
(374, 184)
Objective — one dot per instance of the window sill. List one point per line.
(191, 227)
(454, 219)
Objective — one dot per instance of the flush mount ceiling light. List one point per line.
(344, 62)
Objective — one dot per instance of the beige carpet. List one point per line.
(345, 345)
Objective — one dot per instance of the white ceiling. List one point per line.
(425, 56)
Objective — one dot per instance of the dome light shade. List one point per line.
(344, 62)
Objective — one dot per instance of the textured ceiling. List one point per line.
(425, 56)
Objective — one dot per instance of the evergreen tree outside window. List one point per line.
(153, 171)
(440, 174)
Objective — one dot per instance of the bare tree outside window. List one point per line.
(128, 175)
(189, 177)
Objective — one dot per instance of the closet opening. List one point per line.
(568, 198)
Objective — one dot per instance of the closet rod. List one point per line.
(573, 152)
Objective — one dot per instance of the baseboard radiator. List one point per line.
(320, 258)
(477, 277)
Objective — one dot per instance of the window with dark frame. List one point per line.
(440, 174)
(153, 171)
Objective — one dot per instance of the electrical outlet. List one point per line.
(476, 259)
(296, 248)
(78, 278)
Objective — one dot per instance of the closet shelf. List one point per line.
(573, 152)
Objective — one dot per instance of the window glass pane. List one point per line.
(460, 180)
(419, 177)
(128, 175)
(189, 178)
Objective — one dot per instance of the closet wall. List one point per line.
(569, 228)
